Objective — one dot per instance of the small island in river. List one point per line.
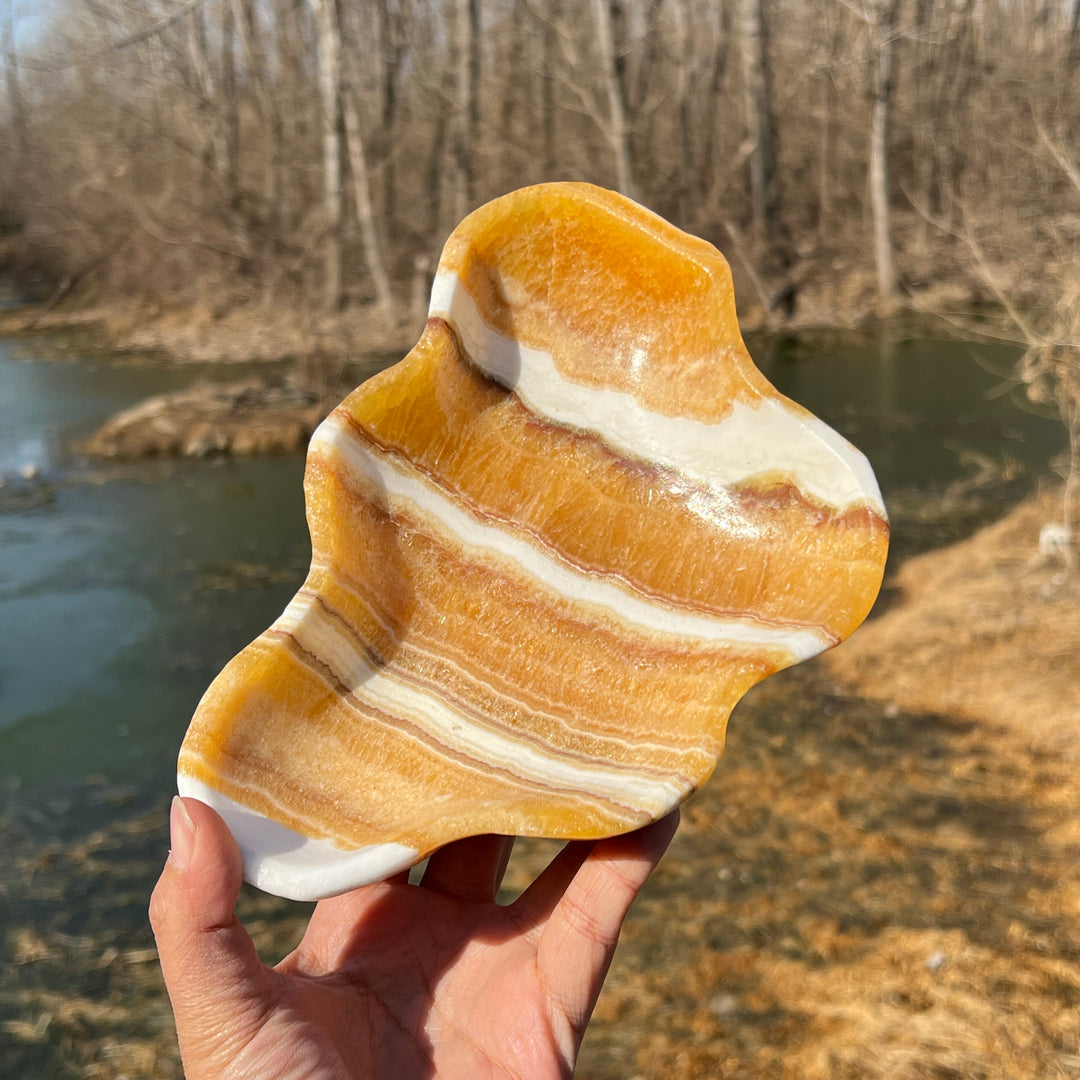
(254, 416)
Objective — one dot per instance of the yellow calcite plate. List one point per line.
(553, 547)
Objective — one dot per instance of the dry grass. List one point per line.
(988, 628)
(865, 889)
(857, 894)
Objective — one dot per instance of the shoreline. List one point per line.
(271, 412)
(189, 333)
(239, 331)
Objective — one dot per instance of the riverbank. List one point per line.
(232, 332)
(826, 292)
(882, 879)
(315, 357)
(987, 629)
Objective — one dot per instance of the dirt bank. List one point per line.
(237, 329)
(234, 331)
(988, 629)
(256, 416)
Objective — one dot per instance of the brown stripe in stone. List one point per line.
(571, 494)
(361, 782)
(409, 661)
(594, 667)
(369, 714)
(452, 654)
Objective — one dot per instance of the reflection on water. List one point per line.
(122, 596)
(923, 411)
(118, 603)
(44, 404)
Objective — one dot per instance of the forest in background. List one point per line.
(882, 881)
(290, 157)
(305, 152)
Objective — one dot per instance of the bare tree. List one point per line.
(833, 49)
(1073, 61)
(467, 52)
(513, 75)
(883, 25)
(682, 16)
(215, 152)
(549, 111)
(286, 142)
(393, 47)
(617, 125)
(713, 127)
(328, 21)
(365, 215)
(264, 102)
(230, 105)
(760, 121)
(21, 139)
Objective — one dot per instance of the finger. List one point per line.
(579, 938)
(209, 962)
(538, 901)
(470, 869)
(341, 927)
(541, 898)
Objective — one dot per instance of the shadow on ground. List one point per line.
(855, 893)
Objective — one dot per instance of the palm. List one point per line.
(428, 985)
(401, 981)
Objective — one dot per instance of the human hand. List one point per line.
(396, 981)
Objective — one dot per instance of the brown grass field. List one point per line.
(881, 880)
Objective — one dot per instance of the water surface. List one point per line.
(122, 593)
(126, 587)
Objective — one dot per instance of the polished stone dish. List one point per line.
(553, 547)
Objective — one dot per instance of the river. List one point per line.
(124, 588)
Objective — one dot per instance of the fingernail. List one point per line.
(181, 834)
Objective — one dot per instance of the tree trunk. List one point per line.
(618, 125)
(283, 122)
(884, 30)
(826, 178)
(440, 161)
(365, 216)
(1074, 37)
(825, 164)
(651, 43)
(14, 91)
(717, 78)
(682, 47)
(549, 119)
(514, 83)
(328, 22)
(266, 106)
(467, 53)
(760, 123)
(230, 107)
(392, 49)
(215, 153)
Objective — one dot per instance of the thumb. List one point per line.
(212, 971)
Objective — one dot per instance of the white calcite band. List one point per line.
(281, 861)
(333, 436)
(380, 689)
(750, 441)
